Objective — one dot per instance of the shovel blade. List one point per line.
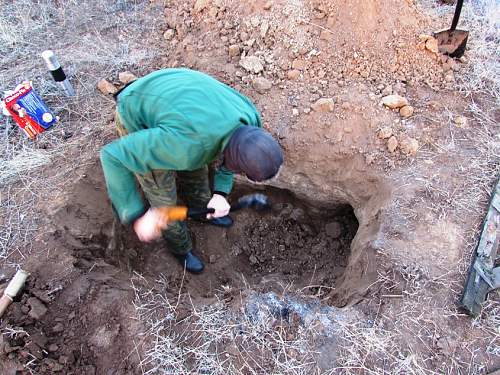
(452, 42)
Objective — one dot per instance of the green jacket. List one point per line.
(177, 119)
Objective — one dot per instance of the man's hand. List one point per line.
(149, 226)
(221, 206)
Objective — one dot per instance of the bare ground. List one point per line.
(389, 300)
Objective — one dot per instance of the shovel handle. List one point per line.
(456, 17)
(197, 212)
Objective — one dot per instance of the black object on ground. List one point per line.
(484, 275)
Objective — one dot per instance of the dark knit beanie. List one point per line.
(253, 152)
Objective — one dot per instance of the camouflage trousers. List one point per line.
(160, 189)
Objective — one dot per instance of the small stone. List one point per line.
(406, 111)
(213, 12)
(394, 101)
(261, 84)
(253, 259)
(106, 87)
(431, 44)
(58, 328)
(323, 105)
(293, 74)
(424, 37)
(213, 258)
(37, 308)
(200, 5)
(333, 229)
(169, 34)
(251, 64)
(268, 5)
(409, 146)
(295, 112)
(392, 144)
(449, 77)
(126, 77)
(460, 121)
(244, 36)
(369, 159)
(385, 132)
(299, 64)
(348, 130)
(53, 348)
(234, 50)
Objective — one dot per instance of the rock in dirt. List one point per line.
(385, 132)
(58, 328)
(268, 5)
(431, 44)
(392, 144)
(261, 84)
(53, 348)
(126, 77)
(106, 87)
(169, 34)
(234, 50)
(460, 121)
(333, 229)
(253, 260)
(251, 64)
(200, 5)
(323, 105)
(409, 146)
(293, 74)
(406, 111)
(37, 308)
(394, 101)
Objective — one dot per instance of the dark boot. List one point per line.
(192, 263)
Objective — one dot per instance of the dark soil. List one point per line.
(79, 305)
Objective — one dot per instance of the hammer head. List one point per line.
(256, 201)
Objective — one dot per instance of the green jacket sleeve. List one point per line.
(223, 180)
(139, 153)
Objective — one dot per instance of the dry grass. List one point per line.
(249, 335)
(93, 39)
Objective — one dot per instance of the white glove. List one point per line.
(149, 226)
(221, 206)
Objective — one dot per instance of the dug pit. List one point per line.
(294, 243)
